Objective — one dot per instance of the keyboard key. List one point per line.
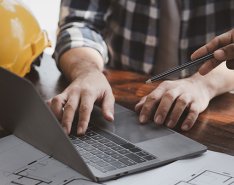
(82, 145)
(94, 159)
(97, 137)
(142, 153)
(91, 141)
(110, 144)
(84, 138)
(109, 168)
(104, 140)
(116, 148)
(91, 133)
(109, 159)
(124, 152)
(118, 164)
(116, 156)
(101, 163)
(135, 158)
(127, 161)
(104, 148)
(102, 155)
(134, 150)
(109, 152)
(149, 157)
(89, 148)
(95, 152)
(98, 145)
(128, 145)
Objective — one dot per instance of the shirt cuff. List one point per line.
(77, 36)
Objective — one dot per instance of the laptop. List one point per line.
(107, 151)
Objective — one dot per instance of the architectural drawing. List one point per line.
(209, 177)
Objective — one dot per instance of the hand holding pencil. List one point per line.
(223, 48)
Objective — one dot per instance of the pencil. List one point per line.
(180, 67)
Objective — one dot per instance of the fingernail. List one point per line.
(158, 119)
(185, 127)
(170, 124)
(142, 118)
(80, 131)
(110, 115)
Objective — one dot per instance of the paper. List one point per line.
(211, 168)
(22, 164)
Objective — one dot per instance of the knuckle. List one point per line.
(193, 112)
(146, 108)
(56, 100)
(69, 107)
(183, 100)
(170, 95)
(83, 108)
(166, 83)
(152, 97)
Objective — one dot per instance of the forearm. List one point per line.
(80, 60)
(217, 82)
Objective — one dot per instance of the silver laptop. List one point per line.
(107, 151)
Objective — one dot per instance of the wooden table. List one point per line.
(214, 127)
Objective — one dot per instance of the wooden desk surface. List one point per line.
(214, 127)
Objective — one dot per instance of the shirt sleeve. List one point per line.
(81, 23)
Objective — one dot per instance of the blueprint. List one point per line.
(211, 168)
(22, 164)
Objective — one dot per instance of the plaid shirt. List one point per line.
(126, 32)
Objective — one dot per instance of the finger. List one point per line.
(148, 106)
(57, 104)
(208, 66)
(165, 105)
(149, 102)
(225, 53)
(181, 103)
(85, 109)
(230, 64)
(69, 112)
(191, 117)
(214, 44)
(139, 105)
(108, 106)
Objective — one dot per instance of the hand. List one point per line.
(171, 98)
(87, 86)
(223, 48)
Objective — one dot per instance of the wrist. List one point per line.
(78, 61)
(206, 85)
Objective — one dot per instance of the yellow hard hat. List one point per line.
(21, 38)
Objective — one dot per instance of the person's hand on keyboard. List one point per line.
(88, 85)
(223, 48)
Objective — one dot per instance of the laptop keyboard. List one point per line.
(107, 152)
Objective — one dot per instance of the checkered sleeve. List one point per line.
(80, 25)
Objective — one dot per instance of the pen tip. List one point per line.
(148, 81)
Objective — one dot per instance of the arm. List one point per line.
(172, 98)
(80, 54)
(223, 48)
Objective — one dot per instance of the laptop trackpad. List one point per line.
(127, 126)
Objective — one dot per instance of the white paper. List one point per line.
(211, 168)
(23, 164)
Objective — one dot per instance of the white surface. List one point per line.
(21, 163)
(47, 14)
(211, 168)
